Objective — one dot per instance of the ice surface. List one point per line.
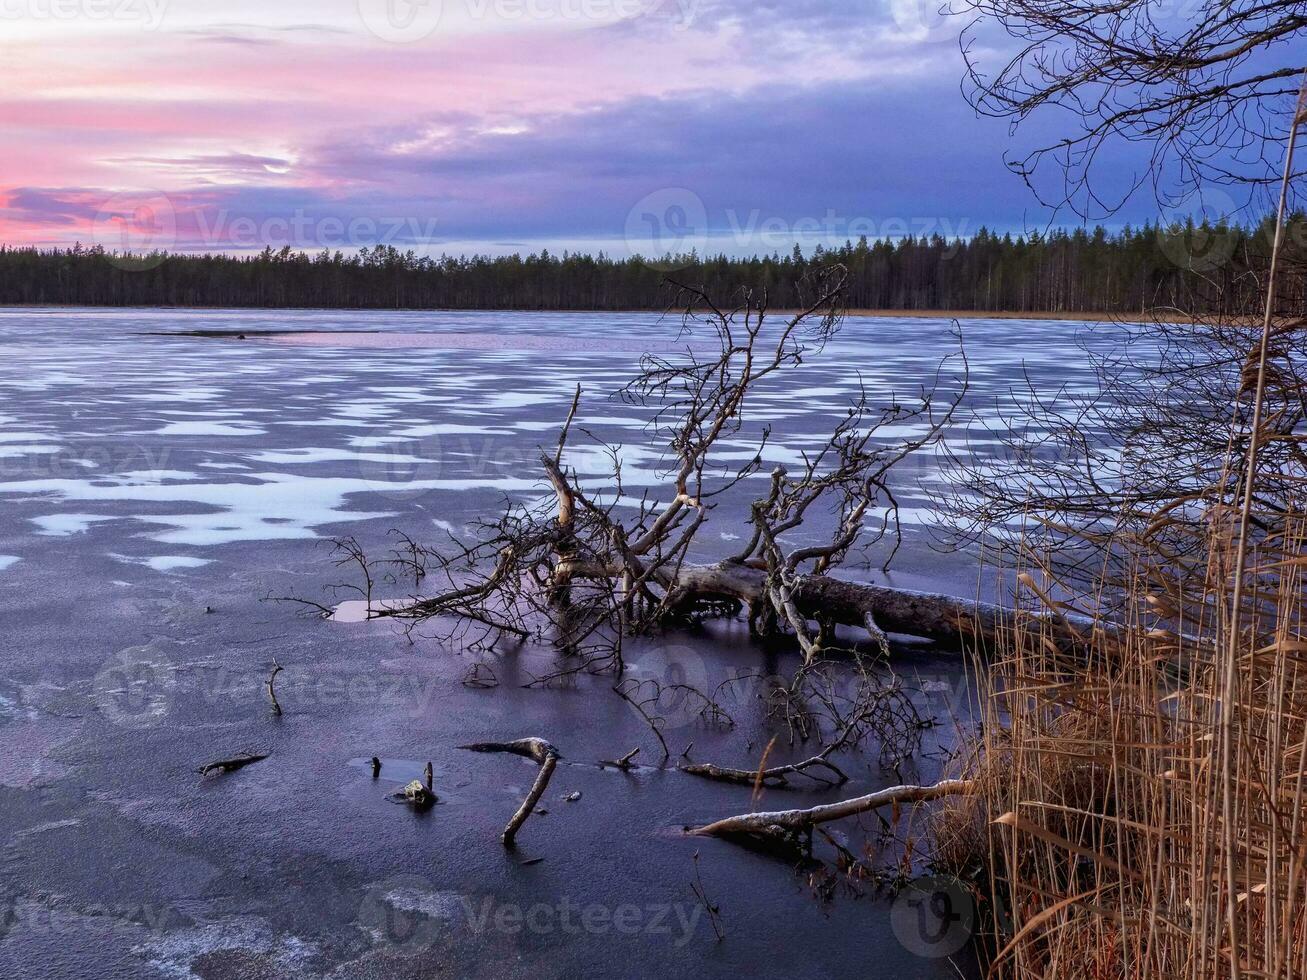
(201, 442)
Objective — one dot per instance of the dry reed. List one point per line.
(1143, 810)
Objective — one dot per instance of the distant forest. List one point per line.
(1200, 268)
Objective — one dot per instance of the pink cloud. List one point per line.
(271, 120)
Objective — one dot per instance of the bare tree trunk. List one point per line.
(944, 618)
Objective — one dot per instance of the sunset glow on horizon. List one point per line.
(489, 125)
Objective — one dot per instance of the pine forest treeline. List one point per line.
(1202, 269)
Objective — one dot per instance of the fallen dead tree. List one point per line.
(595, 566)
(877, 609)
(595, 562)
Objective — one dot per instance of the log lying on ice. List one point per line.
(935, 616)
(780, 823)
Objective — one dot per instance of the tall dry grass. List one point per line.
(1099, 835)
(1143, 800)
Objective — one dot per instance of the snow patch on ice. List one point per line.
(62, 525)
(209, 428)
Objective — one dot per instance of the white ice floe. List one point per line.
(24, 436)
(283, 457)
(168, 563)
(209, 428)
(451, 429)
(278, 506)
(28, 449)
(61, 525)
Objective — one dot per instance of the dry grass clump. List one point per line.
(1144, 803)
(1139, 818)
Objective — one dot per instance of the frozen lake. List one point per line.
(155, 486)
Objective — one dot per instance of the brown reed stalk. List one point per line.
(1142, 803)
(1229, 696)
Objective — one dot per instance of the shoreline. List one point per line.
(862, 313)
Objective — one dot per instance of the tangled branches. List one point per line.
(597, 564)
(1196, 87)
(592, 564)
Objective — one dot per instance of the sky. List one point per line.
(493, 126)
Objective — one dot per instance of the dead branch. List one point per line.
(788, 823)
(541, 752)
(943, 618)
(417, 794)
(588, 573)
(624, 763)
(776, 774)
(272, 692)
(631, 691)
(232, 764)
(714, 911)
